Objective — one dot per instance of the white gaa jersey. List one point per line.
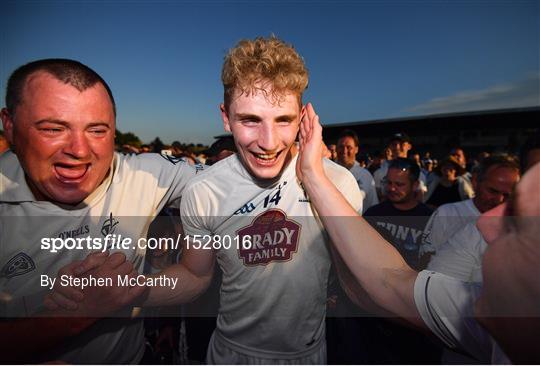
(447, 220)
(446, 305)
(366, 184)
(461, 256)
(273, 294)
(135, 190)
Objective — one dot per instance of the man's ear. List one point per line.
(7, 123)
(225, 117)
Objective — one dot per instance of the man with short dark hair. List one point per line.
(399, 144)
(62, 180)
(401, 219)
(347, 149)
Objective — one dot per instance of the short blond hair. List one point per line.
(263, 61)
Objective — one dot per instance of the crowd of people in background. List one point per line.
(367, 275)
(426, 206)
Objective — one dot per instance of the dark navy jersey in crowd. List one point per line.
(443, 195)
(403, 228)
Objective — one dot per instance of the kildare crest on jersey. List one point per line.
(18, 265)
(109, 225)
(273, 237)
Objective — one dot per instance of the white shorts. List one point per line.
(221, 351)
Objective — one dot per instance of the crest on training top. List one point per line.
(18, 265)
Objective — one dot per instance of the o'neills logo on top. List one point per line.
(273, 237)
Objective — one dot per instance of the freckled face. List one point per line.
(263, 131)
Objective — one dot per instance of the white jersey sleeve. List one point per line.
(193, 212)
(171, 175)
(446, 306)
(346, 183)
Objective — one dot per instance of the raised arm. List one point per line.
(375, 264)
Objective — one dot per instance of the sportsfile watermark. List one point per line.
(119, 242)
(110, 242)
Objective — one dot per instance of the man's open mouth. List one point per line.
(266, 159)
(68, 173)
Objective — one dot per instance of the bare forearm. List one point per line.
(188, 287)
(375, 263)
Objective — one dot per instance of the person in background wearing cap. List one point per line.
(222, 148)
(448, 185)
(399, 144)
(427, 170)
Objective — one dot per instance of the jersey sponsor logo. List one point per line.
(109, 225)
(18, 265)
(75, 232)
(172, 159)
(273, 237)
(247, 208)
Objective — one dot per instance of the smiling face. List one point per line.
(63, 138)
(264, 131)
(346, 151)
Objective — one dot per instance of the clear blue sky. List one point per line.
(367, 59)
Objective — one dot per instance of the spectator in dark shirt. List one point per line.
(449, 186)
(401, 219)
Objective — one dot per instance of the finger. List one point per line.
(92, 261)
(115, 260)
(310, 111)
(134, 292)
(70, 269)
(124, 269)
(63, 301)
(49, 304)
(71, 293)
(133, 274)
